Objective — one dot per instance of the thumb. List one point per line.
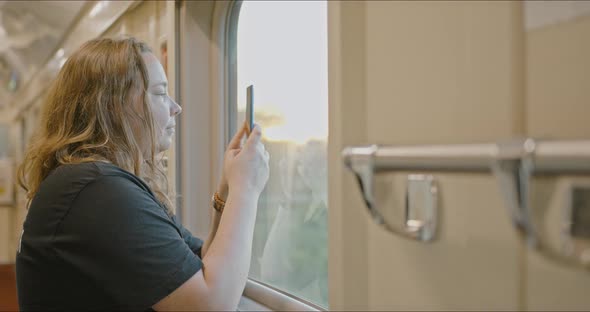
(235, 142)
(254, 137)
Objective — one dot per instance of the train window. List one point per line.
(282, 50)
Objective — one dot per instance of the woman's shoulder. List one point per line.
(87, 172)
(115, 195)
(80, 188)
(83, 185)
(69, 180)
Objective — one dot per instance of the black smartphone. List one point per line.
(250, 108)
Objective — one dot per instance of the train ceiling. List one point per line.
(29, 33)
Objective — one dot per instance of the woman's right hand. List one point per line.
(246, 168)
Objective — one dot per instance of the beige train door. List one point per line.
(407, 73)
(557, 104)
(424, 73)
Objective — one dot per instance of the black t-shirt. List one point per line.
(96, 238)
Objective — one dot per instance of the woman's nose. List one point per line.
(175, 108)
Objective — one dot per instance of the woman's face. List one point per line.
(164, 109)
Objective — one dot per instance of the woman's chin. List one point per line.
(164, 145)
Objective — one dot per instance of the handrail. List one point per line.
(549, 156)
(513, 163)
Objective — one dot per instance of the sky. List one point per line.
(282, 51)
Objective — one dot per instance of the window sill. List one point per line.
(247, 304)
(259, 297)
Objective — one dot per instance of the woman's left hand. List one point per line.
(235, 143)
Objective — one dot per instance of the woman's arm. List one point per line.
(222, 191)
(215, 218)
(218, 286)
(220, 282)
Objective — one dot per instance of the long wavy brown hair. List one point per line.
(97, 109)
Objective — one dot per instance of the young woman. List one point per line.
(100, 233)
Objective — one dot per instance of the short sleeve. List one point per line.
(194, 243)
(119, 237)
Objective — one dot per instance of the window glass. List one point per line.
(282, 51)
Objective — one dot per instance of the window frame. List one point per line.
(212, 28)
(261, 292)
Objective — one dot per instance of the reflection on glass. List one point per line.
(282, 51)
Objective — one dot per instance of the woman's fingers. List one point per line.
(254, 137)
(235, 141)
(261, 149)
(233, 152)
